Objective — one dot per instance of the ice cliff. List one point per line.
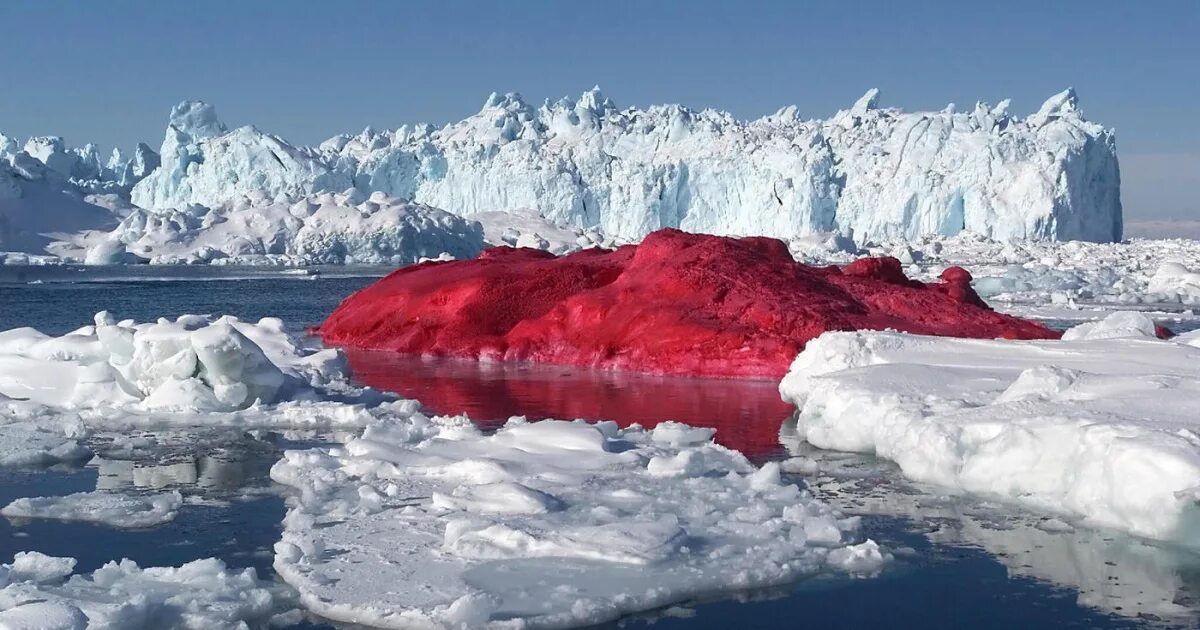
(868, 171)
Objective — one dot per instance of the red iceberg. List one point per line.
(678, 303)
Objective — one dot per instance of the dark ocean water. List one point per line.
(961, 563)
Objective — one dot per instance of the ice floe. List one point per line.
(1100, 426)
(427, 521)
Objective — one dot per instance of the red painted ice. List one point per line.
(678, 303)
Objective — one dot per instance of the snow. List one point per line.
(869, 172)
(428, 522)
(1098, 426)
(40, 592)
(40, 204)
(116, 510)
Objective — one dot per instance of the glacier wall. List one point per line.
(869, 172)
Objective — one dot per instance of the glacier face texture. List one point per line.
(49, 190)
(868, 172)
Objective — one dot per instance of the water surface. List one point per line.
(961, 562)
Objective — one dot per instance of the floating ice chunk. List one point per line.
(864, 557)
(421, 522)
(1096, 427)
(195, 370)
(37, 444)
(116, 510)
(676, 434)
(36, 567)
(121, 595)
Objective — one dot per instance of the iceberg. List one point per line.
(868, 172)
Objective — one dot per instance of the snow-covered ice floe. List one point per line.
(428, 522)
(1100, 426)
(40, 592)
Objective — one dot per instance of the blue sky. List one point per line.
(108, 72)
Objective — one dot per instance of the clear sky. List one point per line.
(108, 72)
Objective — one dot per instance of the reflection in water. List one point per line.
(746, 414)
(195, 461)
(1109, 571)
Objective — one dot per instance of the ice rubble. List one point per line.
(194, 363)
(109, 508)
(327, 228)
(40, 592)
(868, 171)
(1099, 426)
(192, 371)
(428, 522)
(1064, 274)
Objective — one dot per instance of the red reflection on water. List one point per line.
(746, 414)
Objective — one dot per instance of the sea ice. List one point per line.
(1100, 426)
(428, 522)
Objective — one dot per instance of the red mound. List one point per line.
(677, 303)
